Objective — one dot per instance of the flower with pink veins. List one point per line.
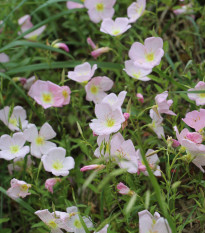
(95, 89)
(108, 120)
(195, 119)
(39, 140)
(4, 58)
(163, 104)
(50, 183)
(140, 97)
(92, 167)
(18, 189)
(47, 94)
(148, 55)
(156, 124)
(136, 71)
(135, 10)
(73, 5)
(15, 121)
(152, 159)
(124, 190)
(104, 229)
(198, 97)
(114, 101)
(25, 24)
(149, 223)
(100, 9)
(82, 73)
(115, 28)
(123, 152)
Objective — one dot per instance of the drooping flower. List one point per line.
(18, 189)
(53, 221)
(135, 10)
(95, 89)
(198, 97)
(47, 94)
(156, 124)
(56, 162)
(114, 101)
(148, 55)
(108, 120)
(39, 140)
(27, 83)
(163, 104)
(92, 167)
(104, 229)
(115, 28)
(149, 223)
(82, 73)
(100, 9)
(4, 58)
(136, 71)
(195, 119)
(140, 97)
(58, 45)
(91, 43)
(15, 120)
(124, 190)
(50, 183)
(13, 147)
(25, 23)
(73, 5)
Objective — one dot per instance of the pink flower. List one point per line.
(114, 101)
(140, 97)
(91, 43)
(194, 137)
(61, 46)
(18, 189)
(163, 104)
(99, 9)
(115, 28)
(95, 89)
(97, 52)
(149, 223)
(124, 190)
(195, 119)
(198, 97)
(148, 55)
(64, 93)
(4, 58)
(135, 10)
(82, 73)
(27, 83)
(104, 229)
(73, 5)
(48, 94)
(92, 167)
(175, 143)
(50, 183)
(126, 116)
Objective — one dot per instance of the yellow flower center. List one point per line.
(65, 94)
(14, 149)
(40, 141)
(115, 32)
(137, 75)
(57, 165)
(202, 95)
(13, 121)
(47, 98)
(94, 90)
(77, 223)
(52, 224)
(110, 122)
(100, 7)
(24, 187)
(150, 57)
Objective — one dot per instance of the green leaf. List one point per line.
(4, 220)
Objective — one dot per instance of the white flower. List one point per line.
(104, 229)
(114, 101)
(39, 140)
(17, 118)
(103, 146)
(135, 10)
(156, 125)
(108, 121)
(13, 147)
(56, 162)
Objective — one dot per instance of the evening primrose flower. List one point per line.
(50, 183)
(82, 73)
(124, 190)
(25, 23)
(156, 124)
(13, 147)
(100, 9)
(140, 97)
(103, 146)
(148, 55)
(92, 167)
(136, 72)
(115, 28)
(27, 83)
(108, 120)
(52, 221)
(135, 10)
(56, 162)
(58, 45)
(16, 120)
(73, 5)
(104, 229)
(114, 101)
(95, 89)
(18, 164)
(39, 140)
(198, 97)
(149, 223)
(18, 189)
